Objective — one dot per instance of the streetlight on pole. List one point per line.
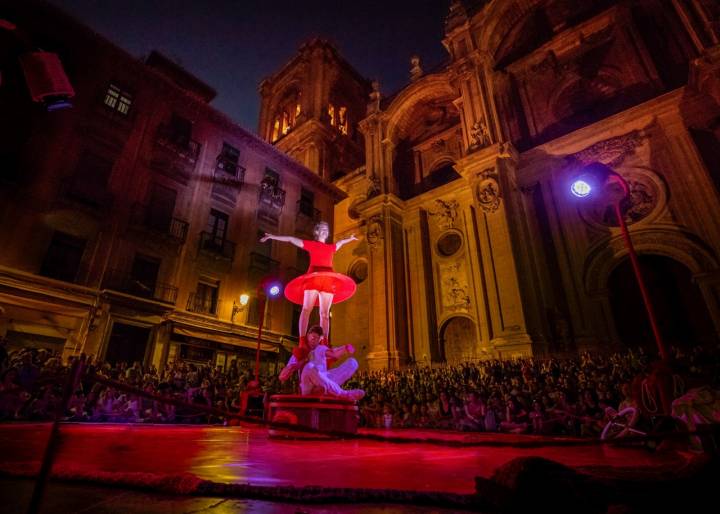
(597, 176)
(269, 288)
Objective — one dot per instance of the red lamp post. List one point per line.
(617, 189)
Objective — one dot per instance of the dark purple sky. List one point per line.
(233, 44)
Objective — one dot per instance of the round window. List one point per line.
(359, 271)
(449, 244)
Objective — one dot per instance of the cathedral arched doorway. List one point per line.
(457, 339)
(680, 309)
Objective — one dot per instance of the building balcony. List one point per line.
(55, 270)
(174, 156)
(227, 181)
(263, 263)
(271, 200)
(182, 146)
(216, 247)
(306, 218)
(202, 304)
(173, 229)
(124, 282)
(84, 193)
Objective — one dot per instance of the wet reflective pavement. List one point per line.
(247, 456)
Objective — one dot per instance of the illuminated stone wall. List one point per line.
(473, 246)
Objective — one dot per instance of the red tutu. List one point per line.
(341, 286)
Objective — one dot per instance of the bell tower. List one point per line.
(310, 110)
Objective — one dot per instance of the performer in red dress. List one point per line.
(320, 285)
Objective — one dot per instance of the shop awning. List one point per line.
(224, 338)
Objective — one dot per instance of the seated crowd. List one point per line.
(32, 380)
(572, 396)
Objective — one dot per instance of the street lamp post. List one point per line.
(582, 187)
(262, 302)
(269, 287)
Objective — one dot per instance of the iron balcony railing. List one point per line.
(263, 263)
(305, 209)
(229, 167)
(202, 304)
(228, 179)
(125, 282)
(217, 246)
(174, 228)
(81, 190)
(306, 217)
(61, 271)
(178, 142)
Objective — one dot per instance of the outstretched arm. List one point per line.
(285, 239)
(345, 241)
(340, 351)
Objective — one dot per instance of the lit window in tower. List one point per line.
(297, 111)
(331, 114)
(285, 124)
(276, 130)
(342, 120)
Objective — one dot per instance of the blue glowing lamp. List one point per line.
(271, 287)
(581, 188)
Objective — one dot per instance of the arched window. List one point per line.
(286, 114)
(338, 117)
(342, 120)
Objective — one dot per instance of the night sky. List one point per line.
(233, 45)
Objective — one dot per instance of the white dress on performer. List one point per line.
(317, 379)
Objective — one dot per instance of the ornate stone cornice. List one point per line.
(612, 151)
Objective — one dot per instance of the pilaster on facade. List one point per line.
(479, 119)
(388, 338)
(373, 129)
(491, 176)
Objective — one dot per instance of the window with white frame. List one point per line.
(118, 100)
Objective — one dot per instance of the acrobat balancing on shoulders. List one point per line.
(320, 285)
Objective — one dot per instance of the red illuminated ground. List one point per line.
(248, 456)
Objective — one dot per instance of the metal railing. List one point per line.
(202, 304)
(77, 189)
(217, 246)
(125, 282)
(306, 217)
(227, 182)
(273, 195)
(174, 228)
(264, 263)
(176, 141)
(54, 271)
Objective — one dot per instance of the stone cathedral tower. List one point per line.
(311, 108)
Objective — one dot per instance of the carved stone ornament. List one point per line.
(479, 135)
(374, 234)
(647, 193)
(455, 292)
(439, 146)
(488, 191)
(373, 186)
(612, 151)
(445, 213)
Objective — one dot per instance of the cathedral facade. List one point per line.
(473, 245)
